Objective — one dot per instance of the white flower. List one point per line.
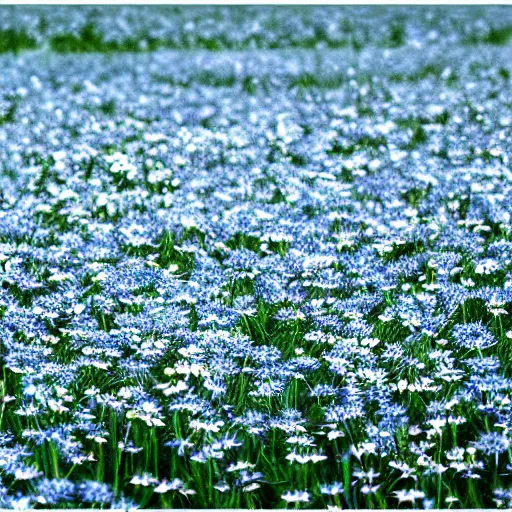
(410, 495)
(239, 466)
(222, 487)
(145, 480)
(438, 424)
(26, 474)
(166, 486)
(487, 266)
(303, 459)
(402, 385)
(251, 487)
(296, 497)
(20, 503)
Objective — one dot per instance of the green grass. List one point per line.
(496, 36)
(317, 81)
(16, 40)
(397, 35)
(9, 115)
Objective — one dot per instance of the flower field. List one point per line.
(255, 257)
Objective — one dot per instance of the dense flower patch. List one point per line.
(146, 28)
(257, 278)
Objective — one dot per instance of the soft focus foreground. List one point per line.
(260, 261)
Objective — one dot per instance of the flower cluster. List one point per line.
(256, 279)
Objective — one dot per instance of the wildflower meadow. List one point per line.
(255, 257)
